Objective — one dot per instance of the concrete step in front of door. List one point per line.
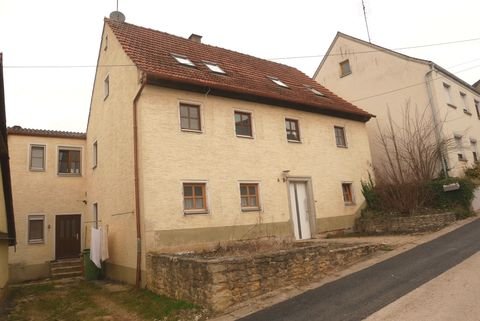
(66, 268)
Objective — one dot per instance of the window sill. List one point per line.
(464, 160)
(349, 203)
(243, 136)
(194, 212)
(451, 105)
(294, 141)
(37, 169)
(69, 175)
(342, 146)
(251, 209)
(191, 130)
(467, 112)
(345, 75)
(34, 242)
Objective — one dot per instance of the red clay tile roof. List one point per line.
(151, 51)
(18, 130)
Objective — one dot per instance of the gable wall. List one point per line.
(379, 82)
(111, 183)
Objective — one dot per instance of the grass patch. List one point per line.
(82, 300)
(150, 305)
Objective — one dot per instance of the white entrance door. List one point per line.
(299, 209)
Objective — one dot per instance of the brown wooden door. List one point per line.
(67, 236)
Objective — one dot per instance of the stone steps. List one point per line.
(66, 268)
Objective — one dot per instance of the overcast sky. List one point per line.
(61, 33)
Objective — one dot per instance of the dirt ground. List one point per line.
(77, 299)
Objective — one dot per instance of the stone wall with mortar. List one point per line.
(410, 224)
(220, 283)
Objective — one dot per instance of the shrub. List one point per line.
(460, 198)
(369, 193)
(473, 172)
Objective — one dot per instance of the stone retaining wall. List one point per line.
(410, 224)
(219, 283)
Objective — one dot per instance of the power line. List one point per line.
(406, 87)
(63, 66)
(279, 58)
(370, 51)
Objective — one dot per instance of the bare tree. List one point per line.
(413, 154)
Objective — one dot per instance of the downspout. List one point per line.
(138, 278)
(438, 134)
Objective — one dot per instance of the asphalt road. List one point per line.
(360, 294)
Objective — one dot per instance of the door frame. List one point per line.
(311, 202)
(55, 232)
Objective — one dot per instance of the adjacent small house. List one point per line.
(7, 221)
(384, 82)
(49, 198)
(190, 144)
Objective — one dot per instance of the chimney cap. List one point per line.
(196, 38)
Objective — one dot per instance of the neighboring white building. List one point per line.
(378, 79)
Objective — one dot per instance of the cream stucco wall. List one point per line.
(381, 81)
(217, 156)
(111, 182)
(456, 121)
(44, 193)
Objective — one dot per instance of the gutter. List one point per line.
(138, 277)
(438, 133)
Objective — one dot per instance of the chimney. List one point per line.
(195, 38)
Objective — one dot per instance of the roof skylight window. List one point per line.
(316, 92)
(214, 67)
(278, 82)
(183, 60)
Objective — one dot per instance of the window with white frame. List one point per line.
(214, 67)
(345, 68)
(106, 87)
(463, 97)
(36, 229)
(347, 193)
(183, 60)
(95, 214)
(340, 138)
(459, 147)
(477, 107)
(37, 157)
(95, 154)
(448, 95)
(473, 146)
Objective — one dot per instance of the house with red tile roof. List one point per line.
(189, 145)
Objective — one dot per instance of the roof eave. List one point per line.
(231, 92)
